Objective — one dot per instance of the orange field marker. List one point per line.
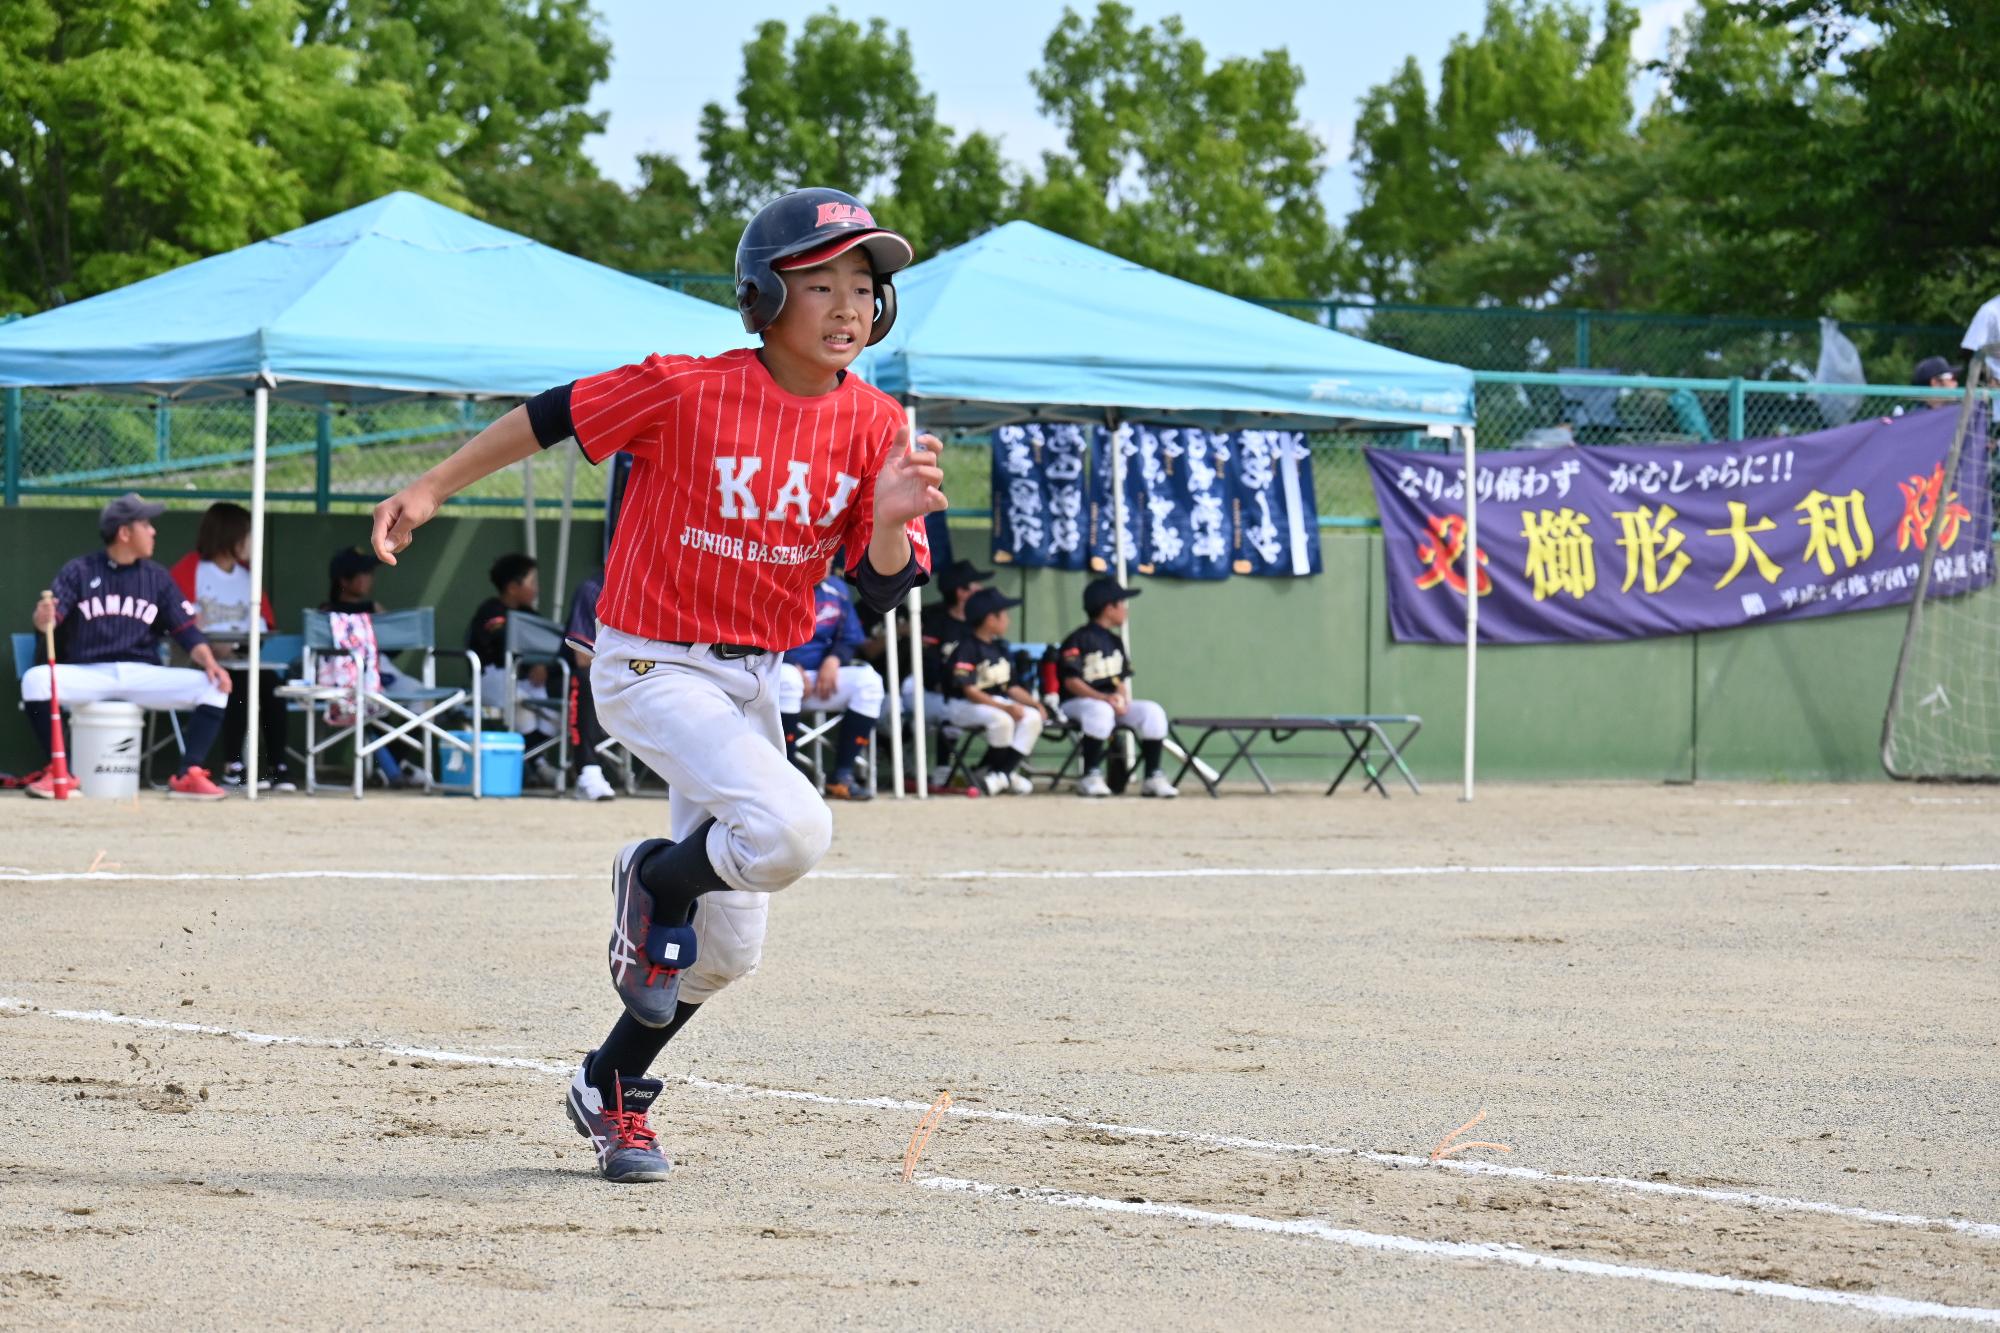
(1446, 1147)
(920, 1137)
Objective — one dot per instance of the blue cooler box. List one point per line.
(500, 759)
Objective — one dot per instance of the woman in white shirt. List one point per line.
(215, 576)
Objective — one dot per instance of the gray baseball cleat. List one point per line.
(627, 1149)
(647, 957)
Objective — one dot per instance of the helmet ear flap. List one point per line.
(760, 302)
(885, 310)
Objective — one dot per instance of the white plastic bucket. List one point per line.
(104, 749)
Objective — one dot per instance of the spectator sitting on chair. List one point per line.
(350, 590)
(517, 587)
(110, 610)
(822, 670)
(215, 576)
(1934, 372)
(585, 732)
(1096, 676)
(943, 630)
(981, 694)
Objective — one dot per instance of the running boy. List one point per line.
(749, 470)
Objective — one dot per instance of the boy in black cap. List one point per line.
(943, 630)
(110, 609)
(1096, 675)
(981, 695)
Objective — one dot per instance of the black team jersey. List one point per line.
(980, 666)
(116, 613)
(1095, 655)
(942, 633)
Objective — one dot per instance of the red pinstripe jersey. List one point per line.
(739, 492)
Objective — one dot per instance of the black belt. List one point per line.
(728, 652)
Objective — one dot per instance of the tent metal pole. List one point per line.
(918, 738)
(1118, 544)
(1471, 605)
(528, 507)
(560, 598)
(889, 656)
(260, 441)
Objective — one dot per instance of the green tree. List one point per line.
(841, 105)
(1840, 150)
(1524, 182)
(136, 135)
(501, 86)
(1201, 170)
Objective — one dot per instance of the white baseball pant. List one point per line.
(710, 727)
(519, 717)
(1002, 731)
(140, 683)
(1097, 718)
(857, 690)
(933, 701)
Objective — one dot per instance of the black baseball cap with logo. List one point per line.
(959, 573)
(1100, 593)
(985, 602)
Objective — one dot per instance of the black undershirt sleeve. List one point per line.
(548, 415)
(883, 592)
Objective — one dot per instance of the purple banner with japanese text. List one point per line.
(1616, 542)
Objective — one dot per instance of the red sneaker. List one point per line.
(43, 785)
(194, 785)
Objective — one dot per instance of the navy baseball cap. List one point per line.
(127, 508)
(351, 560)
(1930, 368)
(985, 602)
(1100, 593)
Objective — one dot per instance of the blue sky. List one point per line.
(669, 58)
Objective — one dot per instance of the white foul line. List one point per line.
(921, 876)
(1987, 1230)
(1890, 1307)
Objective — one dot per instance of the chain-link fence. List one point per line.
(1505, 339)
(76, 448)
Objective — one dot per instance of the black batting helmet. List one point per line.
(809, 227)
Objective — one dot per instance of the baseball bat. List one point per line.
(61, 784)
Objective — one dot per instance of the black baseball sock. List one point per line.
(848, 742)
(38, 722)
(1093, 754)
(631, 1049)
(1001, 759)
(677, 873)
(791, 724)
(200, 736)
(1149, 754)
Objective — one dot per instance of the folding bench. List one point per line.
(1367, 738)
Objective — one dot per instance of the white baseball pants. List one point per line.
(858, 690)
(1097, 718)
(139, 683)
(710, 727)
(1002, 731)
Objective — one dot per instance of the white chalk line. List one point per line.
(919, 876)
(1740, 1198)
(1891, 1307)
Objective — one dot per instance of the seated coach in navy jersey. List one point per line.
(110, 609)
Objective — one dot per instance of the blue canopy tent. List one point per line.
(1022, 324)
(398, 297)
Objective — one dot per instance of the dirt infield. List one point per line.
(1744, 1043)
